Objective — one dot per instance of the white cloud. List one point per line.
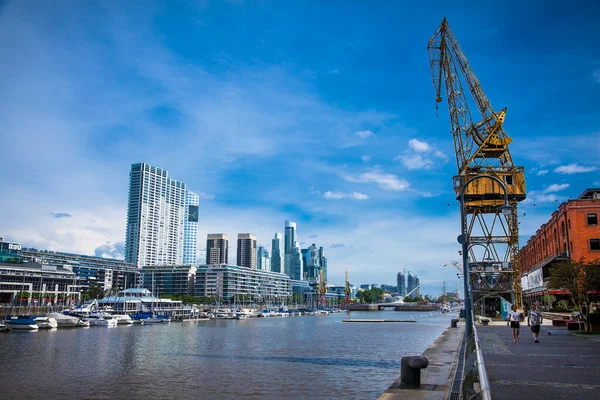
(364, 134)
(596, 75)
(341, 195)
(440, 155)
(384, 181)
(366, 158)
(597, 183)
(542, 172)
(573, 169)
(419, 146)
(415, 161)
(555, 187)
(537, 197)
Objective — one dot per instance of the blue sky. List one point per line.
(317, 112)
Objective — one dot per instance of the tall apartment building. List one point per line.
(155, 217)
(313, 261)
(412, 282)
(277, 253)
(401, 283)
(290, 242)
(190, 229)
(296, 263)
(217, 249)
(246, 250)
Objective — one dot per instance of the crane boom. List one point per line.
(481, 147)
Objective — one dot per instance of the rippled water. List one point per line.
(268, 358)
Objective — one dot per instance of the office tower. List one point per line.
(155, 217)
(246, 250)
(277, 253)
(263, 262)
(190, 229)
(217, 248)
(417, 286)
(401, 283)
(296, 263)
(290, 241)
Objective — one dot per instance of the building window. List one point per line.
(592, 219)
(595, 244)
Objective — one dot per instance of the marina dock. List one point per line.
(379, 320)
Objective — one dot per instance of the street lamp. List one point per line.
(506, 210)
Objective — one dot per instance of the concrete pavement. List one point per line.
(561, 366)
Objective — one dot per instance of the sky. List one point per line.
(322, 113)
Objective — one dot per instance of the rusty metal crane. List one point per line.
(347, 299)
(481, 147)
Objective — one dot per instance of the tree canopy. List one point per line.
(581, 280)
(374, 295)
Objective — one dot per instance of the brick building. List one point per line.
(572, 233)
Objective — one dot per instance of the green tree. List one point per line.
(95, 292)
(581, 280)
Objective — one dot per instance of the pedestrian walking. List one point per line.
(534, 320)
(514, 320)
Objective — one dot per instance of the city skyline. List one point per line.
(337, 132)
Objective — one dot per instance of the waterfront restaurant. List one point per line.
(224, 282)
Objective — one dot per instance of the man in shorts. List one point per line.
(534, 320)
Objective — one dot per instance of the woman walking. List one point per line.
(514, 319)
(534, 320)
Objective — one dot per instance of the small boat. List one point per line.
(3, 328)
(46, 322)
(101, 320)
(22, 322)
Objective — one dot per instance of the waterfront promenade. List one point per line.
(561, 366)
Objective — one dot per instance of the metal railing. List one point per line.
(476, 384)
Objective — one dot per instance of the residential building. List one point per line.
(277, 253)
(401, 283)
(169, 279)
(190, 229)
(217, 248)
(313, 261)
(412, 283)
(389, 288)
(263, 262)
(290, 241)
(246, 250)
(155, 217)
(224, 282)
(571, 233)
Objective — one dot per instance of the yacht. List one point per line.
(46, 322)
(22, 322)
(101, 320)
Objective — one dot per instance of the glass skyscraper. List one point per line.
(190, 229)
(155, 217)
(290, 242)
(277, 253)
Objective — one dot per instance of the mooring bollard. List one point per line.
(410, 369)
(453, 323)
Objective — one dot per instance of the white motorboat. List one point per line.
(66, 321)
(22, 322)
(123, 319)
(46, 322)
(101, 320)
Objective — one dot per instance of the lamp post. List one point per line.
(462, 239)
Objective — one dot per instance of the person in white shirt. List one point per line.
(514, 319)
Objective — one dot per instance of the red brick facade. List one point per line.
(572, 231)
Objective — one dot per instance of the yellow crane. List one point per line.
(481, 147)
(322, 288)
(348, 298)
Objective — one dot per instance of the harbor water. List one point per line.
(313, 357)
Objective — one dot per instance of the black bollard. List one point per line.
(410, 369)
(453, 323)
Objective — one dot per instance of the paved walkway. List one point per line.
(561, 366)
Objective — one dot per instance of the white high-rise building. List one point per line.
(290, 242)
(190, 229)
(155, 217)
(277, 253)
(263, 262)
